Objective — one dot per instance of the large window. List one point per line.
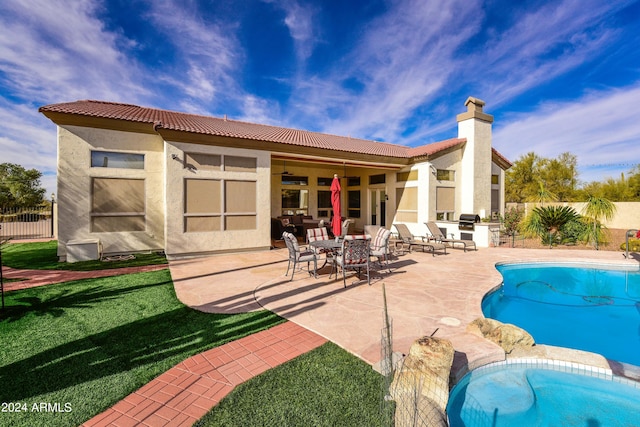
(214, 205)
(117, 204)
(353, 204)
(110, 159)
(445, 203)
(324, 203)
(295, 201)
(407, 204)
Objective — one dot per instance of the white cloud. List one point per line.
(602, 129)
(55, 50)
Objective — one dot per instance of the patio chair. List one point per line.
(345, 227)
(407, 237)
(380, 246)
(439, 236)
(355, 254)
(298, 255)
(315, 234)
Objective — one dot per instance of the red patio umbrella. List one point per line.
(336, 222)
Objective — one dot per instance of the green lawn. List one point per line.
(90, 343)
(43, 256)
(325, 387)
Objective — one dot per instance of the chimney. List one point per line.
(475, 183)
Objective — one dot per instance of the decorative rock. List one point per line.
(507, 336)
(421, 384)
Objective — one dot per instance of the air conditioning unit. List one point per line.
(84, 250)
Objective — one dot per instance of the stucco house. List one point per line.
(140, 179)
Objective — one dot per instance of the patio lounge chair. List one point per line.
(298, 255)
(438, 236)
(354, 255)
(407, 237)
(380, 246)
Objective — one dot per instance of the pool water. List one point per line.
(542, 395)
(580, 306)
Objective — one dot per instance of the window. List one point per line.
(495, 179)
(377, 179)
(353, 181)
(295, 180)
(407, 176)
(204, 162)
(445, 175)
(445, 203)
(295, 201)
(204, 205)
(353, 204)
(240, 164)
(109, 159)
(324, 182)
(324, 203)
(117, 205)
(407, 204)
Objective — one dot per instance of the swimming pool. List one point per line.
(543, 393)
(578, 305)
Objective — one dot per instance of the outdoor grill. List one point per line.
(468, 221)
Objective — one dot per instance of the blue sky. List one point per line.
(557, 76)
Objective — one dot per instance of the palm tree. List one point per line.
(545, 222)
(543, 195)
(597, 209)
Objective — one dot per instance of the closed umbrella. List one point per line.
(336, 223)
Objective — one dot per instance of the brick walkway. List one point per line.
(186, 392)
(34, 278)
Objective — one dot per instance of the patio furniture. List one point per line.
(354, 254)
(298, 255)
(380, 246)
(407, 237)
(439, 236)
(315, 234)
(345, 227)
(328, 247)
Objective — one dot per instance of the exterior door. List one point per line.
(378, 207)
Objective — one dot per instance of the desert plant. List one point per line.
(596, 209)
(634, 245)
(546, 222)
(574, 231)
(511, 220)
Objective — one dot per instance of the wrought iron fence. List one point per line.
(27, 223)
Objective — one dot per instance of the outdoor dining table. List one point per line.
(330, 247)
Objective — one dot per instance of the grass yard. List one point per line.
(43, 256)
(90, 343)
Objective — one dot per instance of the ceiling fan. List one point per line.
(284, 172)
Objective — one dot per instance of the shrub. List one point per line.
(634, 245)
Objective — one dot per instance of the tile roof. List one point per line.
(206, 125)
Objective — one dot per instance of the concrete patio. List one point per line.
(426, 295)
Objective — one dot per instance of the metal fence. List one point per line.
(27, 223)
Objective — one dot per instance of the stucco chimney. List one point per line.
(475, 182)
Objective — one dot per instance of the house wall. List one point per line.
(75, 176)
(179, 241)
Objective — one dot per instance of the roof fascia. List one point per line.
(67, 119)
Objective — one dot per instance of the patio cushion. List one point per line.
(380, 240)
